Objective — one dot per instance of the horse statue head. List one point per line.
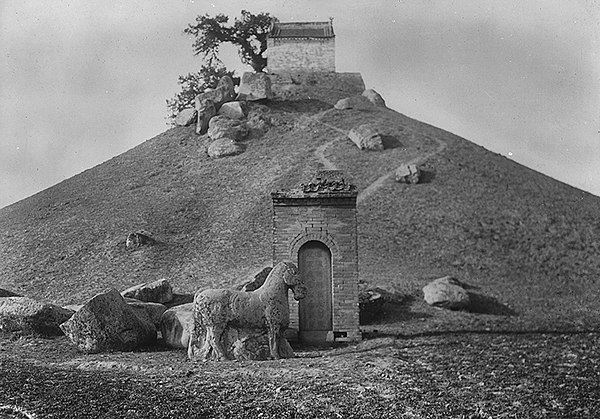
(291, 277)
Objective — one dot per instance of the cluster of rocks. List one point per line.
(365, 136)
(109, 321)
(224, 115)
(225, 135)
(112, 320)
(131, 319)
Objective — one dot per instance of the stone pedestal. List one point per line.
(239, 344)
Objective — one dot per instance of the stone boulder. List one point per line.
(366, 137)
(186, 117)
(139, 238)
(259, 119)
(353, 102)
(206, 110)
(29, 316)
(108, 323)
(408, 173)
(255, 86)
(257, 281)
(224, 147)
(226, 83)
(223, 127)
(154, 292)
(446, 292)
(234, 110)
(223, 93)
(176, 325)
(7, 293)
(374, 97)
(151, 311)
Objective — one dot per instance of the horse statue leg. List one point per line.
(285, 350)
(197, 342)
(192, 343)
(278, 344)
(274, 332)
(213, 341)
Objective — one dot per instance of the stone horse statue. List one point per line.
(227, 319)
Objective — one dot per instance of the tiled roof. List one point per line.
(302, 30)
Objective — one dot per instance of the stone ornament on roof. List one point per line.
(327, 181)
(325, 185)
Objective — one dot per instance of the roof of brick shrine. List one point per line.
(323, 185)
(302, 30)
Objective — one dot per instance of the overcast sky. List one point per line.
(83, 81)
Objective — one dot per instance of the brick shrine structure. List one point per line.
(315, 225)
(301, 46)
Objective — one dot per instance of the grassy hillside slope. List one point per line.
(528, 243)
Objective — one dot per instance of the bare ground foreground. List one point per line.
(526, 245)
(453, 375)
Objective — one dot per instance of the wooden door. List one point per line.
(315, 310)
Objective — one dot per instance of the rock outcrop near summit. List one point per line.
(224, 127)
(255, 86)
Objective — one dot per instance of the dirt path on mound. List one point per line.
(320, 151)
(379, 182)
(320, 155)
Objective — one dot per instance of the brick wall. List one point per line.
(332, 221)
(284, 54)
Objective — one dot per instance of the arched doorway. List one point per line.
(315, 310)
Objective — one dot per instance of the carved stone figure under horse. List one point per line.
(265, 309)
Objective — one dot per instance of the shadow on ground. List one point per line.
(390, 307)
(483, 304)
(390, 141)
(427, 176)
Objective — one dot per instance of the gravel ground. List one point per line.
(464, 375)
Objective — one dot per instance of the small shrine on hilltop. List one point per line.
(301, 47)
(315, 224)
